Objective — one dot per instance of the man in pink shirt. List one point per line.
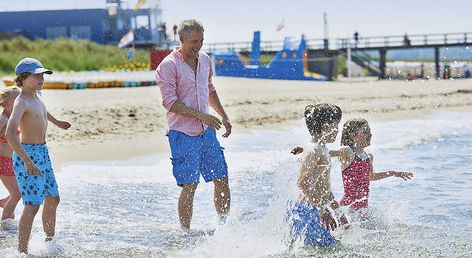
(185, 81)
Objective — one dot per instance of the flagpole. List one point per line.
(349, 61)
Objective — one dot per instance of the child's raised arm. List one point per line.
(61, 124)
(335, 153)
(374, 176)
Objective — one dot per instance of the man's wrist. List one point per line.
(198, 115)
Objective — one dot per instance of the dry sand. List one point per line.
(121, 123)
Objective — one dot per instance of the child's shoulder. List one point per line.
(316, 149)
(346, 150)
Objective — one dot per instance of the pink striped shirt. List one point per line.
(177, 81)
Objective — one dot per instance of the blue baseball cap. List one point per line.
(30, 65)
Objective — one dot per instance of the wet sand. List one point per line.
(121, 123)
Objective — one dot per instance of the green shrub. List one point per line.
(67, 55)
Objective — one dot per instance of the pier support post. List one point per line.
(382, 63)
(436, 63)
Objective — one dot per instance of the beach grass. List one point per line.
(67, 55)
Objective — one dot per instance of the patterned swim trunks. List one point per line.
(34, 188)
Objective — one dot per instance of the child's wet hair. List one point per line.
(350, 127)
(5, 92)
(320, 114)
(20, 78)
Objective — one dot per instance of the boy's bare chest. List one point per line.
(36, 110)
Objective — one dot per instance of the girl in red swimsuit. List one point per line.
(7, 175)
(356, 164)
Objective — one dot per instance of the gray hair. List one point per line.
(187, 26)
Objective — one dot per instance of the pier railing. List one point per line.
(396, 41)
(269, 45)
(406, 40)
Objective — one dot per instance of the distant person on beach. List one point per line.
(7, 175)
(356, 38)
(32, 165)
(314, 214)
(185, 81)
(357, 164)
(406, 41)
(174, 29)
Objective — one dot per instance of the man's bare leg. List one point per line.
(49, 216)
(185, 206)
(24, 228)
(222, 197)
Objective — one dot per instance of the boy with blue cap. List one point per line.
(33, 169)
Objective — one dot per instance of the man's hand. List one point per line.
(227, 126)
(328, 220)
(211, 121)
(63, 125)
(31, 168)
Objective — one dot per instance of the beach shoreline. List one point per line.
(124, 123)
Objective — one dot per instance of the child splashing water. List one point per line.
(357, 165)
(7, 175)
(313, 215)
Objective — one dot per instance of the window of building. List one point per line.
(80, 32)
(56, 32)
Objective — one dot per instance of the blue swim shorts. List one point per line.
(34, 188)
(193, 156)
(305, 224)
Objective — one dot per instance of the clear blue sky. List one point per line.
(226, 20)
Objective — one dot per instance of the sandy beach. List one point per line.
(121, 123)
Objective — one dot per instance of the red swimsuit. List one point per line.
(6, 163)
(356, 180)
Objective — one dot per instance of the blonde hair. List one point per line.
(20, 78)
(350, 127)
(5, 92)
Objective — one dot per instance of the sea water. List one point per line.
(128, 208)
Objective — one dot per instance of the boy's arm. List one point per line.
(61, 124)
(335, 153)
(374, 176)
(19, 108)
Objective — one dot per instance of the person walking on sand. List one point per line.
(7, 175)
(31, 162)
(185, 81)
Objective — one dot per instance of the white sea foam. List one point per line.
(128, 208)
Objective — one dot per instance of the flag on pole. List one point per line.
(139, 4)
(281, 26)
(126, 39)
